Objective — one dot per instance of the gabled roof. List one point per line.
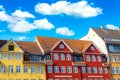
(106, 33)
(29, 47)
(2, 42)
(78, 46)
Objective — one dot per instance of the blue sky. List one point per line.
(25, 19)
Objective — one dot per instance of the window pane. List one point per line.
(62, 56)
(56, 69)
(18, 56)
(87, 57)
(75, 69)
(89, 70)
(25, 69)
(83, 69)
(68, 57)
(55, 56)
(93, 58)
(99, 58)
(69, 69)
(49, 69)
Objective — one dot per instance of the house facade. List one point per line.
(108, 42)
(15, 66)
(73, 60)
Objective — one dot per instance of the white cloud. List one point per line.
(21, 38)
(110, 26)
(64, 31)
(22, 14)
(21, 26)
(43, 24)
(17, 21)
(79, 9)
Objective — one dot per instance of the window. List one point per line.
(68, 57)
(3, 69)
(112, 70)
(93, 58)
(40, 69)
(111, 58)
(50, 69)
(63, 69)
(11, 56)
(116, 58)
(105, 70)
(55, 56)
(47, 57)
(94, 70)
(62, 56)
(89, 70)
(32, 69)
(92, 48)
(101, 79)
(100, 70)
(118, 70)
(113, 48)
(3, 56)
(56, 69)
(25, 69)
(18, 69)
(18, 56)
(75, 69)
(11, 47)
(69, 69)
(106, 79)
(11, 69)
(87, 57)
(99, 58)
(61, 46)
(84, 79)
(80, 58)
(83, 69)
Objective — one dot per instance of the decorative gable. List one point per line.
(61, 46)
(92, 49)
(11, 46)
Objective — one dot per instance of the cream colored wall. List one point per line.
(96, 40)
(14, 63)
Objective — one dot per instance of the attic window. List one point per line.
(61, 46)
(46, 46)
(11, 47)
(92, 48)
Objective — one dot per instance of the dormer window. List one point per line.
(61, 46)
(92, 48)
(11, 47)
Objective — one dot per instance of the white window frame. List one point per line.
(11, 69)
(62, 56)
(75, 69)
(50, 69)
(89, 70)
(87, 57)
(55, 56)
(61, 46)
(93, 58)
(63, 69)
(100, 70)
(25, 69)
(18, 69)
(56, 69)
(105, 70)
(11, 56)
(3, 68)
(99, 58)
(94, 70)
(33, 69)
(68, 57)
(40, 69)
(69, 69)
(83, 69)
(18, 56)
(3, 56)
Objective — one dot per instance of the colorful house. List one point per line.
(73, 59)
(108, 42)
(21, 61)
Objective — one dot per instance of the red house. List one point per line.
(72, 59)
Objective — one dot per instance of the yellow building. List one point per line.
(21, 61)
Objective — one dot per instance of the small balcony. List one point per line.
(48, 62)
(78, 60)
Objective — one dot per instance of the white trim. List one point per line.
(64, 43)
(38, 43)
(95, 76)
(13, 43)
(63, 76)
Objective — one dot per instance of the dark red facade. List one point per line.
(96, 65)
